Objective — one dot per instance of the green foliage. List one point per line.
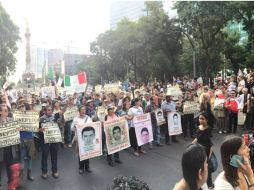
(9, 35)
(157, 46)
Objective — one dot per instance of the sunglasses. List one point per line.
(49, 109)
(5, 110)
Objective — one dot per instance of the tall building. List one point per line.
(55, 60)
(39, 58)
(71, 62)
(132, 10)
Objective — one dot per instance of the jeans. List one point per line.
(67, 132)
(156, 133)
(53, 149)
(26, 159)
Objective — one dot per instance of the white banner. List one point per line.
(70, 113)
(159, 117)
(174, 123)
(9, 134)
(28, 121)
(89, 140)
(117, 135)
(143, 128)
(51, 132)
(48, 91)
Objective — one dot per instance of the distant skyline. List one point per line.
(57, 24)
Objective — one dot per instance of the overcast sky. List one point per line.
(55, 23)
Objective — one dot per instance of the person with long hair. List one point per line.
(203, 138)
(251, 108)
(194, 169)
(239, 176)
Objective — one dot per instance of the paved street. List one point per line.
(160, 168)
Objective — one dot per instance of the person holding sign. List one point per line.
(47, 148)
(188, 118)
(151, 108)
(6, 153)
(167, 107)
(134, 111)
(116, 135)
(88, 135)
(25, 146)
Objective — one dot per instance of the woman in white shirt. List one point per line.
(81, 119)
(194, 168)
(237, 174)
(134, 111)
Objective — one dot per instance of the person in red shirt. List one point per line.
(232, 107)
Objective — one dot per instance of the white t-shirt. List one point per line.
(222, 184)
(204, 187)
(135, 111)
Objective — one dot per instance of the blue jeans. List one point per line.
(156, 133)
(26, 159)
(53, 149)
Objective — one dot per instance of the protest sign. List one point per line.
(97, 89)
(159, 117)
(143, 128)
(28, 121)
(190, 107)
(48, 91)
(9, 134)
(174, 123)
(117, 135)
(89, 89)
(89, 140)
(101, 112)
(174, 91)
(70, 113)
(108, 88)
(51, 133)
(241, 118)
(219, 104)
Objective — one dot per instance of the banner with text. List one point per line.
(89, 140)
(174, 123)
(9, 134)
(190, 107)
(143, 128)
(48, 91)
(51, 133)
(117, 135)
(28, 121)
(159, 117)
(70, 113)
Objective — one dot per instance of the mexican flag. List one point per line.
(75, 83)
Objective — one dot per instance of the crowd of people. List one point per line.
(219, 110)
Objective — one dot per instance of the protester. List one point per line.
(81, 119)
(26, 146)
(194, 169)
(47, 148)
(203, 138)
(237, 174)
(134, 111)
(232, 106)
(110, 117)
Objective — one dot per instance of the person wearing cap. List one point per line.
(47, 148)
(26, 144)
(110, 117)
(134, 111)
(168, 106)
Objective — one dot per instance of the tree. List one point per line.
(8, 43)
(204, 21)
